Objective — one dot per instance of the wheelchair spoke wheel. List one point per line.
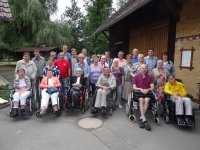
(132, 118)
(157, 121)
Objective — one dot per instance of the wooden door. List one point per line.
(154, 35)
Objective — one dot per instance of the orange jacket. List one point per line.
(44, 84)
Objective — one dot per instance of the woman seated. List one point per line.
(49, 85)
(22, 87)
(105, 84)
(77, 83)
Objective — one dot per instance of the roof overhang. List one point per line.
(130, 7)
(5, 13)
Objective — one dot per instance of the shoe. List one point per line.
(14, 112)
(103, 111)
(190, 123)
(147, 126)
(43, 112)
(23, 113)
(181, 122)
(141, 124)
(120, 106)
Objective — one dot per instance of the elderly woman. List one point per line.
(49, 85)
(129, 73)
(105, 83)
(160, 77)
(81, 64)
(118, 72)
(22, 86)
(77, 83)
(103, 62)
(139, 63)
(168, 64)
(95, 72)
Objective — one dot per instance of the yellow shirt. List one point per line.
(177, 87)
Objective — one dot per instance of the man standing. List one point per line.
(108, 59)
(121, 60)
(86, 59)
(67, 55)
(74, 60)
(53, 56)
(135, 56)
(143, 84)
(64, 67)
(151, 60)
(40, 64)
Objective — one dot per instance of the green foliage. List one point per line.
(98, 12)
(75, 19)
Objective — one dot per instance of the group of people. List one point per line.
(136, 72)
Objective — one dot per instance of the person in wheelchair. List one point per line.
(77, 83)
(178, 94)
(143, 85)
(22, 90)
(49, 85)
(105, 84)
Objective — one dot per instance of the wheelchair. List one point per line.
(50, 107)
(30, 104)
(79, 101)
(110, 101)
(130, 108)
(169, 111)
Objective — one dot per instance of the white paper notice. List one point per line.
(186, 58)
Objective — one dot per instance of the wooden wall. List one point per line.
(154, 35)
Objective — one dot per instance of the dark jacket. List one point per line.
(74, 79)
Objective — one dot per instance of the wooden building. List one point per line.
(5, 13)
(165, 25)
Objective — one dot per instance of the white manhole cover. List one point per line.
(90, 123)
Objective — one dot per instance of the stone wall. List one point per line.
(188, 36)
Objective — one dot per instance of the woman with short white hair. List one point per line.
(118, 72)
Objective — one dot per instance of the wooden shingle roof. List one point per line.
(5, 13)
(127, 9)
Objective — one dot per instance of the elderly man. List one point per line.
(40, 64)
(53, 56)
(64, 67)
(121, 60)
(108, 59)
(135, 55)
(105, 83)
(67, 55)
(178, 93)
(28, 65)
(143, 84)
(151, 60)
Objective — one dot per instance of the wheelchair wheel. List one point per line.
(86, 103)
(157, 121)
(59, 113)
(37, 114)
(166, 118)
(132, 118)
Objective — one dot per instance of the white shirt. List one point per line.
(78, 80)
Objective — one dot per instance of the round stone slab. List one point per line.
(90, 123)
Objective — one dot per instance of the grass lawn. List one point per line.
(4, 92)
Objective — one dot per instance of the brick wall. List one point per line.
(188, 26)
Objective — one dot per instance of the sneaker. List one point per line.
(181, 122)
(14, 112)
(120, 106)
(147, 126)
(141, 124)
(23, 112)
(190, 123)
(43, 112)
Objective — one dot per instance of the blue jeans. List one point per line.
(64, 84)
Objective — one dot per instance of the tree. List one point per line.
(120, 3)
(31, 25)
(98, 11)
(75, 20)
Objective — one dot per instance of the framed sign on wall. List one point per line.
(186, 58)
